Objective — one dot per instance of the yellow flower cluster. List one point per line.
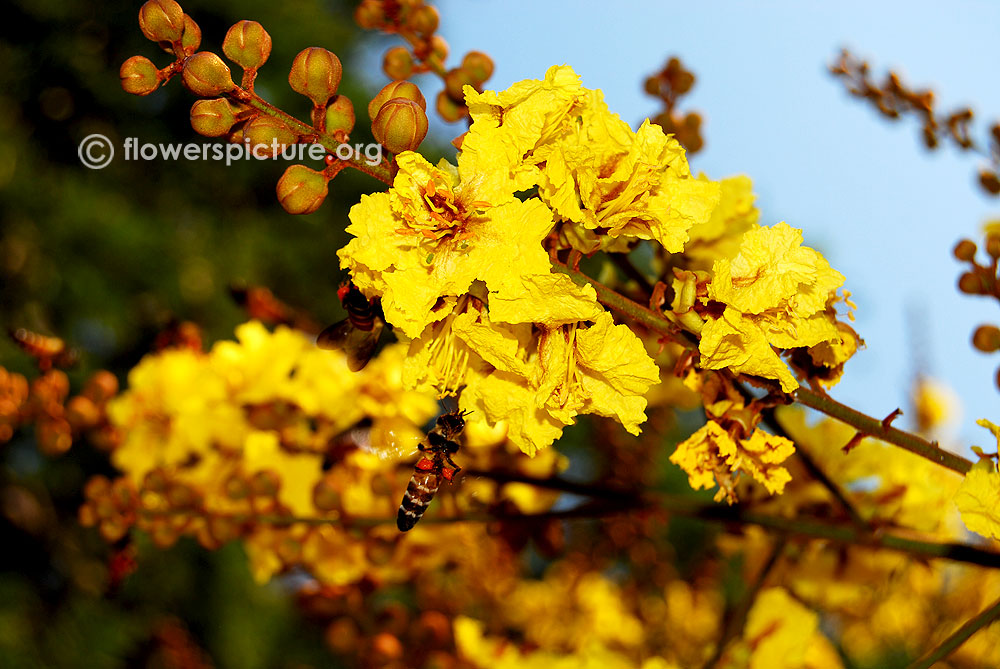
(774, 293)
(978, 497)
(272, 441)
(456, 255)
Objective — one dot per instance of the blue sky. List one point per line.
(885, 212)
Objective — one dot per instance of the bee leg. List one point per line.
(452, 463)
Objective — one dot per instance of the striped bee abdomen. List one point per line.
(419, 493)
(360, 311)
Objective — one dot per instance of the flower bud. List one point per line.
(986, 338)
(302, 190)
(990, 182)
(397, 89)
(82, 413)
(455, 82)
(397, 63)
(270, 132)
(478, 65)
(369, 14)
(247, 44)
(439, 49)
(139, 76)
(101, 387)
(191, 39)
(316, 74)
(206, 75)
(972, 283)
(425, 20)
(400, 125)
(212, 118)
(340, 115)
(450, 110)
(161, 20)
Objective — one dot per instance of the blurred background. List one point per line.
(107, 258)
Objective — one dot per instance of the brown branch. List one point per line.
(820, 402)
(960, 636)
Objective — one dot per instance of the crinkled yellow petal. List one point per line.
(547, 299)
(767, 272)
(617, 371)
(697, 455)
(498, 344)
(505, 396)
(509, 124)
(978, 499)
(793, 332)
(736, 342)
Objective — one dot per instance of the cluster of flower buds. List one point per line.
(892, 98)
(982, 280)
(427, 52)
(235, 111)
(163, 22)
(58, 422)
(669, 85)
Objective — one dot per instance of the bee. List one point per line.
(48, 351)
(440, 446)
(357, 335)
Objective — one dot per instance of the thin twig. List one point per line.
(737, 617)
(960, 636)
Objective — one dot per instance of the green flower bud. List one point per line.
(340, 115)
(397, 89)
(302, 190)
(139, 76)
(161, 20)
(212, 118)
(398, 63)
(478, 65)
(400, 125)
(191, 39)
(247, 44)
(450, 110)
(206, 75)
(316, 74)
(269, 131)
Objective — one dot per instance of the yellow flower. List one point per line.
(590, 167)
(777, 293)
(978, 499)
(431, 236)
(784, 634)
(602, 369)
(710, 455)
(719, 237)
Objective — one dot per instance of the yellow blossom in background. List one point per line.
(783, 634)
(884, 481)
(711, 456)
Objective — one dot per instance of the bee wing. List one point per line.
(391, 440)
(359, 345)
(334, 337)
